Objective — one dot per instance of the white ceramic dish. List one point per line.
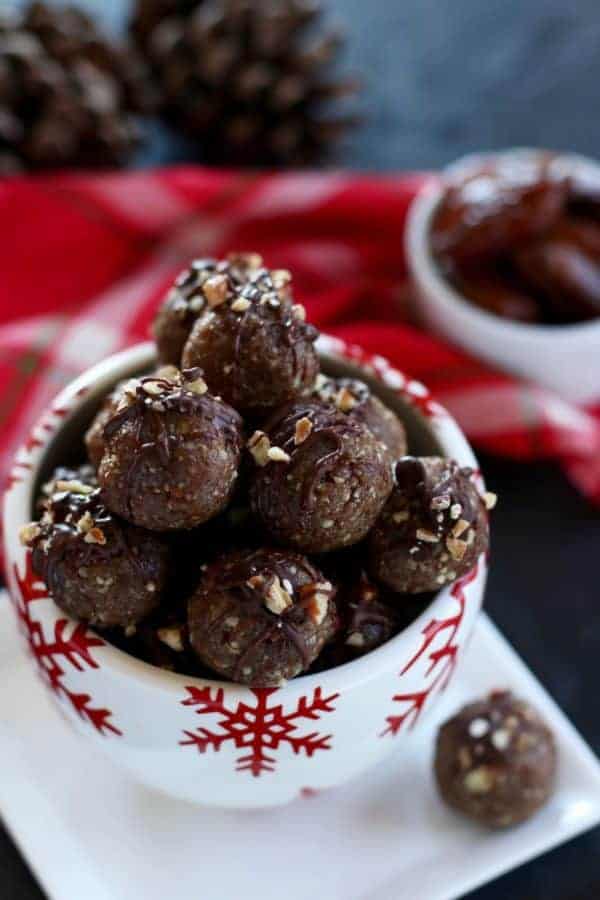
(218, 743)
(565, 358)
(89, 831)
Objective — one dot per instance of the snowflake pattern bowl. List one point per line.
(212, 742)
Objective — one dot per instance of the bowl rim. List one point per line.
(97, 380)
(426, 271)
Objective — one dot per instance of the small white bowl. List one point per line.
(565, 358)
(213, 742)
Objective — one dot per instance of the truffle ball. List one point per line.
(354, 398)
(96, 567)
(94, 436)
(238, 322)
(496, 761)
(85, 473)
(171, 453)
(262, 616)
(162, 640)
(321, 478)
(367, 621)
(432, 529)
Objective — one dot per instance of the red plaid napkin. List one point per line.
(84, 260)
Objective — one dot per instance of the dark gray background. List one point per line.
(444, 77)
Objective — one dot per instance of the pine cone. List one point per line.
(66, 94)
(150, 13)
(244, 78)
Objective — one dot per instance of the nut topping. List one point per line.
(276, 454)
(303, 429)
(259, 446)
(74, 487)
(172, 636)
(215, 290)
(28, 533)
(277, 599)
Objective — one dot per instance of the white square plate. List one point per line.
(88, 831)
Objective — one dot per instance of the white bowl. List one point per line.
(212, 742)
(565, 358)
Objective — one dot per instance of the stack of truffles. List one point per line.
(209, 532)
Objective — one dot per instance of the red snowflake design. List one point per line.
(442, 660)
(258, 729)
(73, 647)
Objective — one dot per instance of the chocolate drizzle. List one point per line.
(170, 436)
(355, 400)
(334, 484)
(77, 533)
(255, 357)
(244, 580)
(432, 529)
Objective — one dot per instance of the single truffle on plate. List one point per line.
(432, 529)
(355, 399)
(496, 761)
(238, 322)
(96, 567)
(171, 453)
(94, 436)
(321, 477)
(261, 617)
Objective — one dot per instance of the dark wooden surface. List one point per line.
(444, 77)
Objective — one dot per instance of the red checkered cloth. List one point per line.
(84, 260)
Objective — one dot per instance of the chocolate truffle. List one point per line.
(367, 622)
(354, 398)
(162, 640)
(261, 617)
(496, 761)
(321, 477)
(432, 529)
(238, 322)
(96, 567)
(94, 436)
(84, 473)
(496, 207)
(171, 453)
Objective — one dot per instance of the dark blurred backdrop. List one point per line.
(445, 76)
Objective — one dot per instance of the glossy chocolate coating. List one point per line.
(494, 292)
(494, 209)
(564, 268)
(260, 617)
(171, 454)
(96, 567)
(329, 486)
(496, 761)
(238, 322)
(355, 399)
(94, 436)
(432, 529)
